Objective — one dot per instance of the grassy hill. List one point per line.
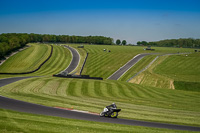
(174, 71)
(146, 100)
(137, 102)
(27, 60)
(32, 57)
(101, 63)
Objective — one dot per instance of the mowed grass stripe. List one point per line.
(103, 64)
(78, 87)
(133, 90)
(97, 90)
(119, 90)
(54, 62)
(59, 60)
(100, 64)
(105, 90)
(111, 91)
(84, 88)
(81, 94)
(91, 89)
(180, 67)
(26, 60)
(63, 89)
(70, 90)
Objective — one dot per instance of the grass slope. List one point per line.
(103, 64)
(175, 71)
(13, 122)
(136, 101)
(180, 67)
(27, 60)
(59, 61)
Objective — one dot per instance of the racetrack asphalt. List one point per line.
(75, 60)
(116, 75)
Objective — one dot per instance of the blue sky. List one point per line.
(132, 20)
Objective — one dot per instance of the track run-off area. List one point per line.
(21, 106)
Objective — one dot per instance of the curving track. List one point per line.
(75, 60)
(127, 66)
(17, 105)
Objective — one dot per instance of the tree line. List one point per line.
(12, 41)
(182, 42)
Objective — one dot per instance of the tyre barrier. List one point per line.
(35, 69)
(78, 76)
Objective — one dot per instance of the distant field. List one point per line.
(12, 122)
(136, 101)
(103, 64)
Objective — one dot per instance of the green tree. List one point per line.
(138, 43)
(118, 42)
(124, 42)
(144, 43)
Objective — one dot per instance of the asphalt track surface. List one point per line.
(127, 66)
(75, 60)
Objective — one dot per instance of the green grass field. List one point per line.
(27, 60)
(149, 99)
(136, 101)
(59, 61)
(14, 122)
(175, 72)
(103, 64)
(181, 67)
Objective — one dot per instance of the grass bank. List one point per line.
(59, 61)
(13, 122)
(26, 60)
(173, 71)
(137, 102)
(102, 63)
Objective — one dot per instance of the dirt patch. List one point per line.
(138, 79)
(172, 84)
